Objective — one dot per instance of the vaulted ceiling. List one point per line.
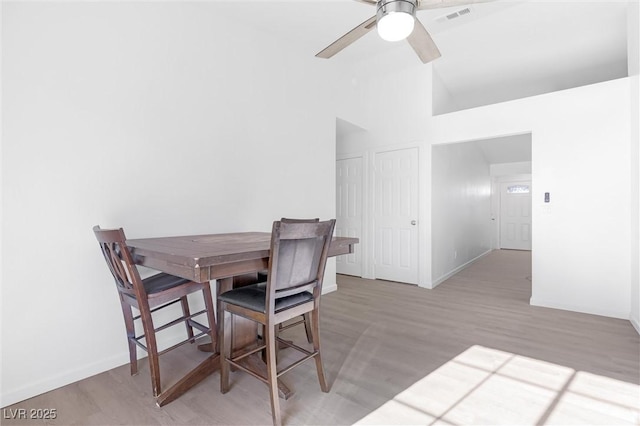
(501, 50)
(493, 52)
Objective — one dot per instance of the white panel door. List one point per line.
(396, 215)
(349, 212)
(515, 215)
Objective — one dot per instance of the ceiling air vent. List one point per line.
(451, 16)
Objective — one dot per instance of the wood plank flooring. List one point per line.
(471, 351)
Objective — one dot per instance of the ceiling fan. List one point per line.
(396, 20)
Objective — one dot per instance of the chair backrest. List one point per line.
(287, 220)
(119, 260)
(299, 251)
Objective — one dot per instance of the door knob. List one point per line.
(413, 222)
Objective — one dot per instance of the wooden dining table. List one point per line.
(232, 260)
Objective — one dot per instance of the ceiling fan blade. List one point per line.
(348, 38)
(439, 4)
(371, 2)
(422, 43)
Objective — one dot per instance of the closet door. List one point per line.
(349, 181)
(396, 215)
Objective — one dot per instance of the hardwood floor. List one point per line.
(471, 351)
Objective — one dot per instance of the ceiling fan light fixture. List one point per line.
(395, 19)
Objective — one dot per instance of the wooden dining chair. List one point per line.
(298, 256)
(150, 295)
(304, 319)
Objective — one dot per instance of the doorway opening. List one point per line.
(467, 180)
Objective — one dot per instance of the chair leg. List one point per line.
(152, 350)
(307, 327)
(263, 353)
(272, 373)
(276, 334)
(185, 312)
(131, 335)
(315, 331)
(224, 345)
(208, 303)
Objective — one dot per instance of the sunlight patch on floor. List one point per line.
(488, 386)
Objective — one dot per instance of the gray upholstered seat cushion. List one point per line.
(254, 297)
(161, 282)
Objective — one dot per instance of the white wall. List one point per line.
(1, 197)
(443, 101)
(505, 169)
(581, 257)
(152, 116)
(354, 141)
(460, 208)
(389, 95)
(580, 154)
(633, 45)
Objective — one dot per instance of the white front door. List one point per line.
(349, 212)
(396, 215)
(515, 215)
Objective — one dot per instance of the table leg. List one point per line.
(204, 369)
(206, 347)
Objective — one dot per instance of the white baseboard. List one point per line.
(56, 381)
(577, 308)
(29, 390)
(636, 324)
(448, 275)
(329, 288)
